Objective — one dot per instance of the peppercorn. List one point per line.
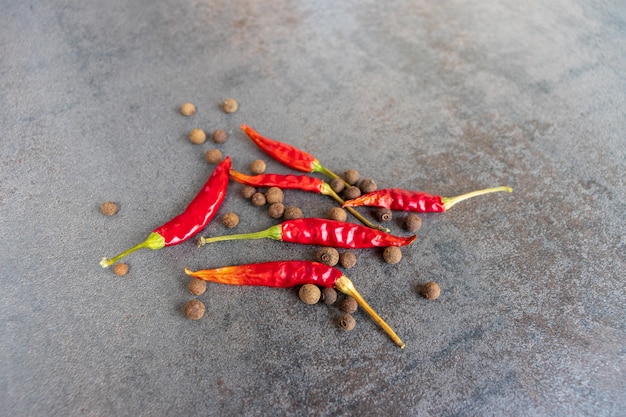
(346, 322)
(257, 166)
(230, 105)
(337, 185)
(292, 213)
(431, 290)
(347, 259)
(258, 199)
(274, 195)
(412, 222)
(197, 136)
(349, 305)
(120, 269)
(248, 191)
(392, 255)
(108, 208)
(197, 286)
(213, 156)
(309, 293)
(351, 176)
(276, 210)
(337, 213)
(219, 136)
(188, 109)
(328, 256)
(384, 214)
(329, 295)
(351, 192)
(368, 185)
(231, 220)
(194, 309)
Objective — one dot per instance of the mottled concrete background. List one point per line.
(445, 97)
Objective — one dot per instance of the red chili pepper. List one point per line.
(286, 274)
(322, 232)
(405, 200)
(191, 221)
(298, 182)
(287, 154)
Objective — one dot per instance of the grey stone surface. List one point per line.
(445, 97)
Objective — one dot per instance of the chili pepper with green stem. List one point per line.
(284, 274)
(298, 182)
(322, 232)
(406, 200)
(191, 221)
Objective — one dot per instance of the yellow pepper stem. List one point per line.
(450, 201)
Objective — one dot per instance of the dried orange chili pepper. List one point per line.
(322, 232)
(286, 274)
(405, 200)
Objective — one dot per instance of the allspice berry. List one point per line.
(412, 222)
(368, 185)
(351, 176)
(337, 213)
(309, 293)
(337, 185)
(430, 290)
(248, 191)
(346, 322)
(328, 256)
(213, 156)
(230, 220)
(197, 286)
(384, 214)
(219, 136)
(347, 259)
(188, 109)
(257, 166)
(120, 269)
(197, 136)
(349, 305)
(194, 309)
(351, 192)
(258, 199)
(108, 208)
(392, 255)
(292, 213)
(274, 195)
(276, 210)
(230, 105)
(329, 295)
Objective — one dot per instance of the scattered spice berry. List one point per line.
(197, 286)
(230, 220)
(230, 105)
(349, 305)
(351, 176)
(347, 259)
(274, 195)
(108, 208)
(328, 256)
(412, 222)
(194, 309)
(337, 213)
(337, 185)
(292, 213)
(248, 191)
(219, 136)
(213, 156)
(351, 192)
(257, 166)
(188, 109)
(431, 290)
(367, 185)
(384, 215)
(276, 210)
(120, 269)
(329, 295)
(392, 255)
(346, 322)
(309, 293)
(258, 199)
(197, 136)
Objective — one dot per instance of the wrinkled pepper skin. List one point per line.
(401, 200)
(289, 181)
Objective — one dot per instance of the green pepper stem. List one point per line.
(450, 201)
(327, 190)
(275, 232)
(318, 167)
(344, 285)
(154, 241)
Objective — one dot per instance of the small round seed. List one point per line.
(337, 213)
(292, 213)
(368, 185)
(258, 199)
(276, 210)
(328, 256)
(351, 176)
(347, 259)
(108, 208)
(120, 269)
(337, 185)
(194, 309)
(412, 222)
(351, 192)
(431, 290)
(392, 255)
(230, 105)
(309, 293)
(197, 286)
(230, 220)
(384, 214)
(219, 136)
(248, 191)
(349, 305)
(346, 322)
(274, 195)
(257, 166)
(188, 109)
(329, 295)
(197, 136)
(213, 156)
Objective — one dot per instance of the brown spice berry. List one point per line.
(392, 255)
(258, 199)
(412, 222)
(329, 295)
(328, 256)
(384, 214)
(274, 195)
(120, 269)
(188, 109)
(368, 185)
(248, 191)
(194, 309)
(197, 136)
(292, 213)
(346, 322)
(337, 213)
(309, 293)
(108, 208)
(347, 259)
(276, 210)
(219, 136)
(231, 220)
(351, 176)
(197, 286)
(349, 305)
(230, 105)
(351, 192)
(337, 185)
(431, 290)
(257, 166)
(213, 156)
